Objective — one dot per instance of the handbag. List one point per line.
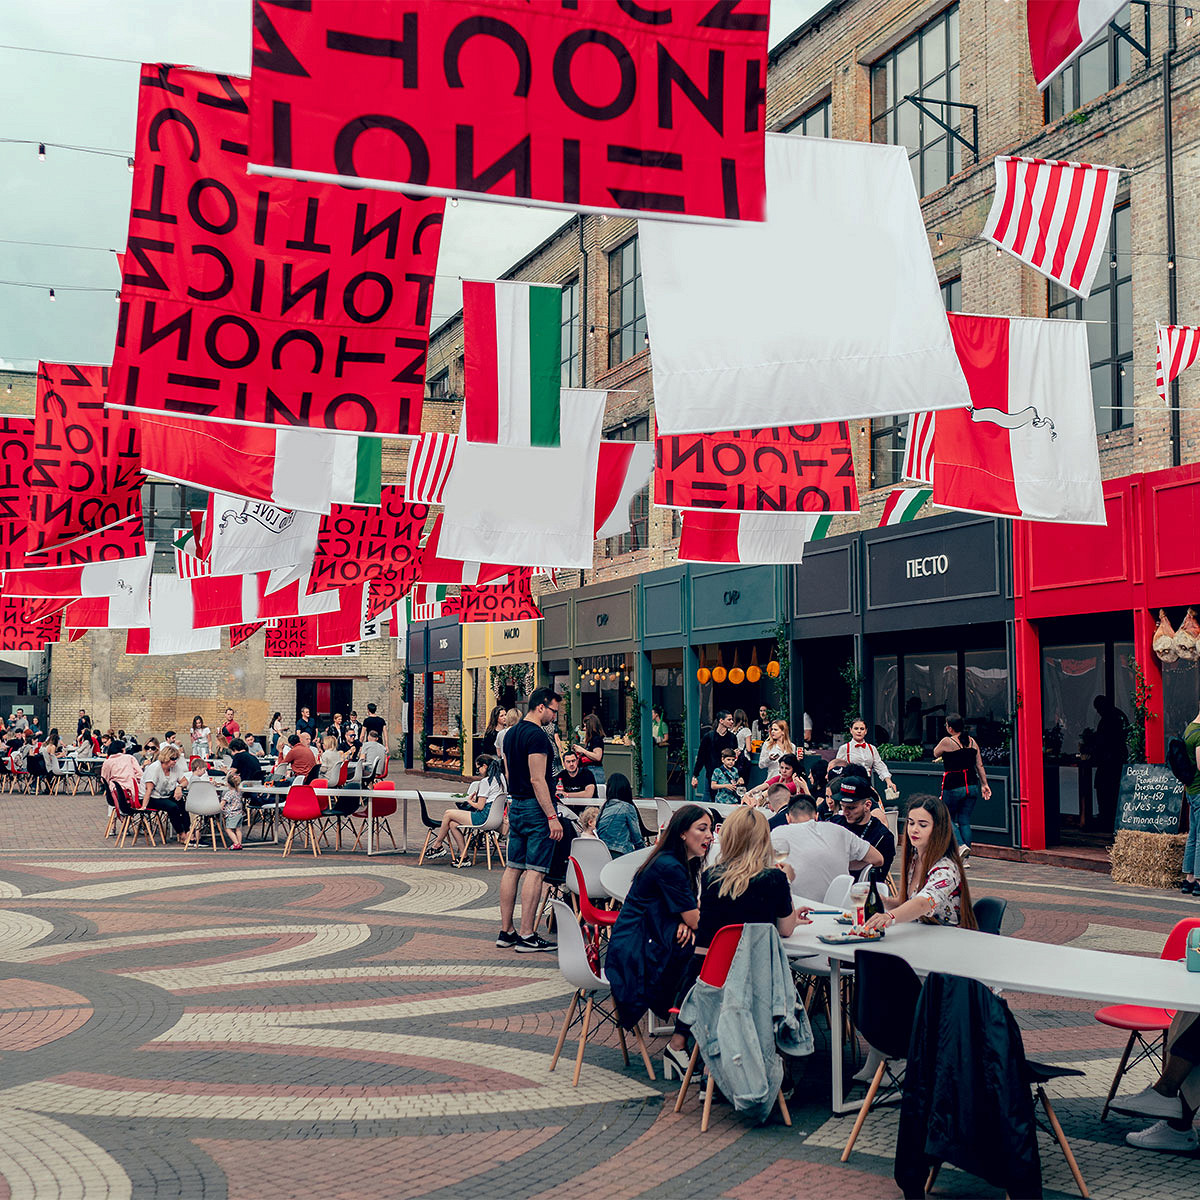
(1193, 950)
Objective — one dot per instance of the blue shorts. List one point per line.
(529, 845)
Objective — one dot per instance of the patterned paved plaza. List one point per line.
(244, 1026)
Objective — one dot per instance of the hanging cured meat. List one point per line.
(1187, 639)
(1163, 643)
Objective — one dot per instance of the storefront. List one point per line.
(905, 625)
(661, 664)
(499, 671)
(435, 664)
(1087, 601)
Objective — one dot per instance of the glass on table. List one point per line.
(858, 897)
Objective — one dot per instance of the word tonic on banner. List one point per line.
(125, 540)
(639, 108)
(20, 631)
(265, 301)
(511, 600)
(16, 455)
(86, 472)
(357, 543)
(797, 468)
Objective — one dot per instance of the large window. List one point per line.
(889, 436)
(1109, 314)
(638, 537)
(927, 66)
(1099, 69)
(167, 507)
(626, 305)
(572, 329)
(813, 123)
(439, 386)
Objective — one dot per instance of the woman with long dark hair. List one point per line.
(591, 749)
(487, 744)
(651, 943)
(963, 778)
(933, 887)
(618, 826)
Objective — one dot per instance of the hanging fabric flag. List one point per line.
(434, 568)
(903, 504)
(188, 564)
(1054, 217)
(19, 632)
(1060, 30)
(126, 580)
(512, 363)
(218, 600)
(171, 630)
(357, 543)
(241, 633)
(1177, 347)
(737, 537)
(429, 460)
(623, 470)
(270, 302)
(1027, 445)
(250, 535)
(343, 625)
(737, 344)
(567, 105)
(86, 471)
(302, 469)
(559, 528)
(292, 599)
(918, 450)
(16, 454)
(424, 602)
(108, 612)
(790, 469)
(123, 541)
(511, 600)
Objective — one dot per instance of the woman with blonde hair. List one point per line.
(778, 744)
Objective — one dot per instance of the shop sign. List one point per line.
(954, 562)
(931, 564)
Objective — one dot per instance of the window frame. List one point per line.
(822, 108)
(635, 326)
(1119, 54)
(635, 429)
(158, 517)
(571, 335)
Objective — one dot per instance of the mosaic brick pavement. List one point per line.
(220, 1025)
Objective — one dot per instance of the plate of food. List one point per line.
(850, 937)
(844, 919)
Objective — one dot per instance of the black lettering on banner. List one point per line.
(347, 139)
(195, 211)
(308, 240)
(224, 287)
(299, 335)
(728, 458)
(517, 162)
(724, 15)
(431, 220)
(403, 48)
(249, 351)
(138, 249)
(710, 105)
(564, 56)
(389, 225)
(317, 286)
(647, 16)
(481, 26)
(821, 499)
(275, 55)
(351, 297)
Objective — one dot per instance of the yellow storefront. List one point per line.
(499, 669)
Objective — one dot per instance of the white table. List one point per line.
(1014, 964)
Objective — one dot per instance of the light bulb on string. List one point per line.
(41, 151)
(51, 293)
(129, 164)
(117, 297)
(453, 201)
(997, 251)
(940, 239)
(1187, 17)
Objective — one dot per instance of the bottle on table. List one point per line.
(874, 902)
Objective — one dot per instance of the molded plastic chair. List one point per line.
(204, 802)
(339, 809)
(837, 894)
(382, 808)
(1140, 1020)
(665, 813)
(488, 833)
(989, 913)
(431, 827)
(130, 813)
(886, 990)
(592, 856)
(713, 971)
(301, 806)
(589, 987)
(649, 832)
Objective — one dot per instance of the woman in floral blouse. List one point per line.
(933, 888)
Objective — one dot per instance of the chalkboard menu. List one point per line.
(1151, 799)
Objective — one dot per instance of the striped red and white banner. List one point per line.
(1053, 216)
(429, 463)
(188, 564)
(1178, 346)
(918, 451)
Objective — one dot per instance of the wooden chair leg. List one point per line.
(641, 1041)
(312, 832)
(425, 848)
(783, 1109)
(587, 1021)
(708, 1098)
(390, 834)
(624, 1047)
(687, 1078)
(1116, 1082)
(1060, 1137)
(287, 845)
(933, 1174)
(868, 1100)
(562, 1033)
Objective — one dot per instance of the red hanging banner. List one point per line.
(297, 637)
(265, 301)
(240, 633)
(16, 455)
(20, 631)
(796, 468)
(360, 542)
(125, 540)
(86, 471)
(637, 107)
(509, 601)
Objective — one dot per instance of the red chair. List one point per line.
(130, 813)
(1140, 1020)
(596, 919)
(382, 808)
(713, 971)
(302, 806)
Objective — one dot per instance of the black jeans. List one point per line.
(176, 813)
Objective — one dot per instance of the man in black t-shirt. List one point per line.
(245, 763)
(855, 797)
(305, 724)
(533, 824)
(574, 779)
(708, 757)
(375, 722)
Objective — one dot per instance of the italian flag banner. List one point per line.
(903, 504)
(513, 367)
(424, 602)
(740, 537)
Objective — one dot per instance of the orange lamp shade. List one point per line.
(773, 669)
(737, 675)
(754, 672)
(703, 675)
(719, 674)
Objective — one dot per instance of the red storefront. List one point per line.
(1086, 607)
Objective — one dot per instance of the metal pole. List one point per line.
(1169, 183)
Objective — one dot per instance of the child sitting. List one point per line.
(587, 822)
(232, 808)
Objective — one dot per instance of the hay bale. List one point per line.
(1147, 859)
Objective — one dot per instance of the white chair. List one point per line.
(65, 771)
(601, 792)
(837, 894)
(589, 987)
(488, 833)
(665, 812)
(593, 856)
(203, 802)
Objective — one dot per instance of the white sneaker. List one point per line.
(1161, 1136)
(1149, 1103)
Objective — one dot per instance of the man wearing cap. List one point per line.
(855, 797)
(819, 851)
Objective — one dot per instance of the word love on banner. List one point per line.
(20, 631)
(124, 540)
(86, 471)
(610, 104)
(265, 301)
(508, 601)
(356, 543)
(16, 455)
(795, 468)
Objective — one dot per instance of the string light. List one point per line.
(940, 239)
(453, 201)
(41, 151)
(1187, 17)
(129, 164)
(51, 293)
